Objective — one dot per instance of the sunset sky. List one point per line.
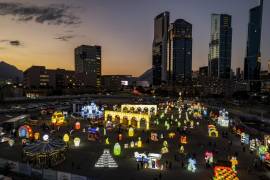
(45, 32)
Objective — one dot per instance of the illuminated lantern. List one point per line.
(11, 142)
(171, 135)
(139, 143)
(77, 141)
(45, 137)
(154, 137)
(77, 125)
(191, 165)
(66, 138)
(234, 162)
(131, 132)
(223, 172)
(183, 139)
(132, 144)
(182, 149)
(107, 142)
(120, 137)
(117, 149)
(36, 136)
(58, 118)
(25, 131)
(209, 157)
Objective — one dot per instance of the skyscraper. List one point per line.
(179, 62)
(159, 49)
(88, 63)
(252, 64)
(220, 47)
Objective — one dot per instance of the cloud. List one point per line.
(53, 14)
(15, 43)
(64, 37)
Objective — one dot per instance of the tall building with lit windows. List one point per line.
(179, 54)
(220, 46)
(159, 48)
(88, 63)
(252, 66)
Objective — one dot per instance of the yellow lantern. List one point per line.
(131, 132)
(36, 136)
(107, 141)
(66, 138)
(139, 143)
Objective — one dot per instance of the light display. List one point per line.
(92, 111)
(165, 148)
(36, 135)
(131, 132)
(107, 142)
(191, 165)
(253, 144)
(45, 137)
(58, 118)
(212, 131)
(222, 172)
(77, 125)
(262, 150)
(208, 156)
(138, 107)
(117, 149)
(106, 160)
(234, 162)
(77, 142)
(244, 138)
(66, 138)
(11, 142)
(154, 137)
(267, 140)
(171, 135)
(129, 116)
(223, 119)
(25, 131)
(120, 137)
(132, 144)
(183, 139)
(181, 149)
(139, 142)
(152, 159)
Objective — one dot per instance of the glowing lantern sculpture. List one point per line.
(117, 149)
(209, 158)
(191, 165)
(36, 136)
(45, 137)
(222, 172)
(131, 132)
(183, 139)
(58, 118)
(212, 131)
(244, 138)
(132, 144)
(165, 148)
(107, 142)
(11, 142)
(77, 142)
(25, 131)
(181, 149)
(139, 143)
(234, 162)
(92, 111)
(66, 138)
(77, 125)
(154, 136)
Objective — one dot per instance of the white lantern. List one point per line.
(77, 142)
(45, 137)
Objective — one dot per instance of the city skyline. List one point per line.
(123, 40)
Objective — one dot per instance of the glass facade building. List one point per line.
(159, 49)
(252, 64)
(220, 47)
(179, 56)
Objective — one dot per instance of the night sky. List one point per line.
(45, 32)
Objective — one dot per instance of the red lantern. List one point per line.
(77, 125)
(183, 139)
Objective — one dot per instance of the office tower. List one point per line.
(238, 73)
(252, 64)
(179, 63)
(88, 64)
(159, 49)
(220, 47)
